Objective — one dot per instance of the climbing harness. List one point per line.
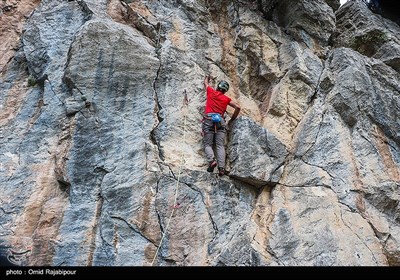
(176, 205)
(216, 119)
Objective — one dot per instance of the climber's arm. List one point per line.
(236, 112)
(206, 82)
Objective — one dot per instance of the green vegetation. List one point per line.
(31, 81)
(369, 43)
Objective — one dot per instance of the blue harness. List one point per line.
(216, 119)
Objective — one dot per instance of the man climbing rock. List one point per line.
(214, 125)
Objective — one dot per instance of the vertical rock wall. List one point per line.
(101, 161)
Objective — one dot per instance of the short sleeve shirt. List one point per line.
(216, 101)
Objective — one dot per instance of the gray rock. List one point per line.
(102, 163)
(368, 33)
(309, 22)
(389, 53)
(254, 153)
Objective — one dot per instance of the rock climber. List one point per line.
(214, 125)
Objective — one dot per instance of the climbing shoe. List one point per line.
(212, 165)
(221, 171)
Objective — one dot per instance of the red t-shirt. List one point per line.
(216, 101)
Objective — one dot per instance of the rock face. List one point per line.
(101, 161)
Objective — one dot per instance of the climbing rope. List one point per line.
(174, 207)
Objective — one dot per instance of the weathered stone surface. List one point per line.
(13, 14)
(346, 143)
(368, 33)
(309, 22)
(255, 155)
(389, 53)
(334, 4)
(200, 232)
(313, 229)
(121, 112)
(101, 161)
(48, 35)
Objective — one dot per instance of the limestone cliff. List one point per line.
(101, 158)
